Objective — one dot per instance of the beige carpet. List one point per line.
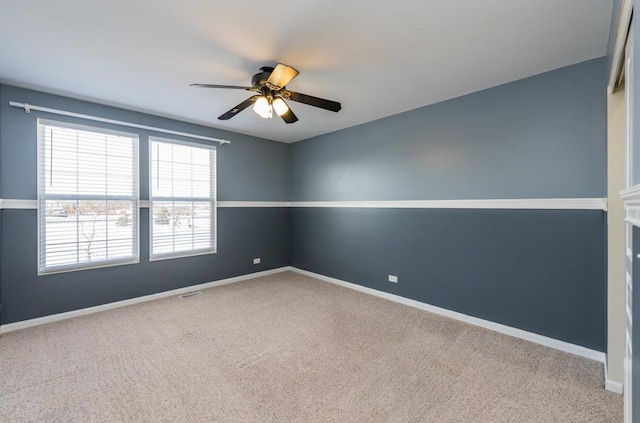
(288, 348)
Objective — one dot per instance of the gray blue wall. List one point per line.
(249, 169)
(541, 137)
(613, 29)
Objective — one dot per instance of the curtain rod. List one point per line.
(29, 107)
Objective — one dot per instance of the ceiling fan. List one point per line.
(270, 84)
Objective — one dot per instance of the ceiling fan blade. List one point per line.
(289, 116)
(322, 103)
(240, 107)
(233, 87)
(281, 76)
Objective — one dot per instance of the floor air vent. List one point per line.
(189, 295)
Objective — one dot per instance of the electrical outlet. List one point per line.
(393, 278)
(256, 261)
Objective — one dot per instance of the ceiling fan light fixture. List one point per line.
(280, 106)
(270, 94)
(263, 108)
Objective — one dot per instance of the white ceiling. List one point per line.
(376, 58)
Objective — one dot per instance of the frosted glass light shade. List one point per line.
(280, 106)
(263, 108)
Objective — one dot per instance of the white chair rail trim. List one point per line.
(508, 204)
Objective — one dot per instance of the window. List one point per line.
(182, 198)
(87, 197)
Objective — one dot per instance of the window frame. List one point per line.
(213, 200)
(42, 198)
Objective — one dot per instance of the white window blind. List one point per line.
(87, 197)
(182, 196)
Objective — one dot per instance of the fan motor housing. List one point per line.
(261, 77)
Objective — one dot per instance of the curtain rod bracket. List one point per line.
(27, 109)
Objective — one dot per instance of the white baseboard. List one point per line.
(615, 387)
(97, 309)
(610, 385)
(497, 327)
